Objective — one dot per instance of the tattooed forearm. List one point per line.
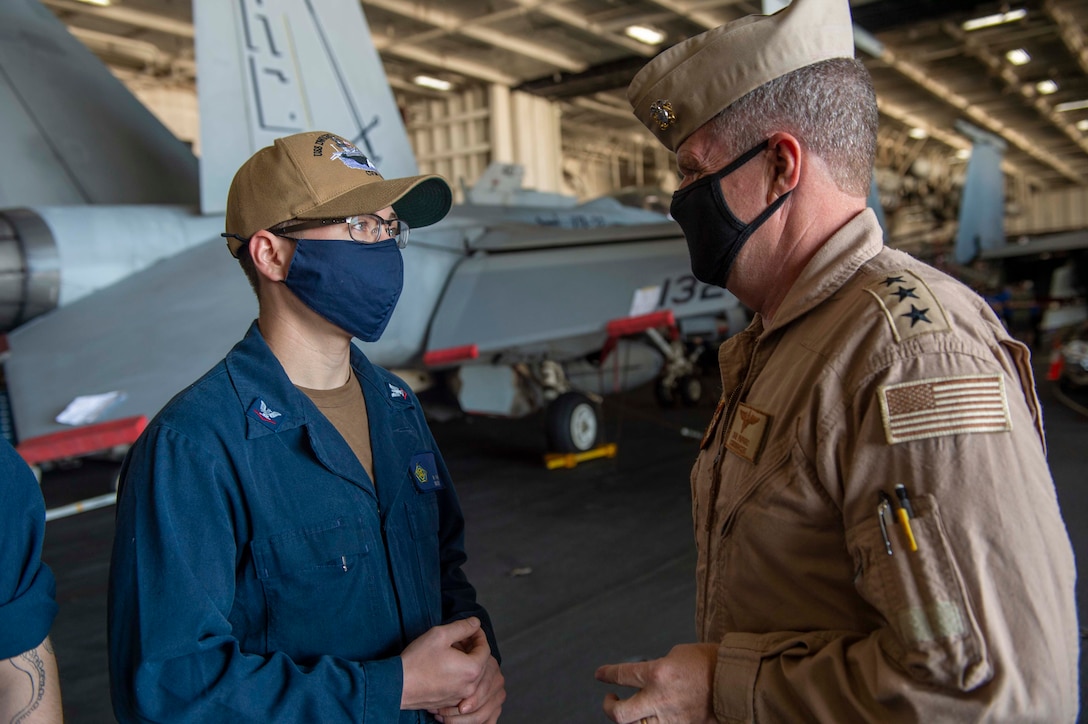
(32, 665)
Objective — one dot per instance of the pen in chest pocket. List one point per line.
(906, 512)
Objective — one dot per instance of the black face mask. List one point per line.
(714, 234)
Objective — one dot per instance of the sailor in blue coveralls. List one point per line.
(289, 543)
(29, 687)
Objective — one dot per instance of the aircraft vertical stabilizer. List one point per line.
(286, 66)
(982, 206)
(70, 132)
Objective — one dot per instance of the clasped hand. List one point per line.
(450, 672)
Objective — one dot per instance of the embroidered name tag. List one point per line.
(944, 406)
(746, 434)
(424, 472)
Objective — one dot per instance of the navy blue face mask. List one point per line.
(355, 286)
(714, 234)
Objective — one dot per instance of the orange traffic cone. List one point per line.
(1057, 361)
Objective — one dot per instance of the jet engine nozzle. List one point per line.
(29, 268)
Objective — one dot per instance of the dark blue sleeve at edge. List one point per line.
(27, 588)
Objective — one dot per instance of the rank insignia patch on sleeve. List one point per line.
(944, 406)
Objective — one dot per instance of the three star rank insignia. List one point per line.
(908, 305)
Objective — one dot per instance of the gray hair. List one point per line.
(829, 106)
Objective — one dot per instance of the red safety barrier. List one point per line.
(82, 440)
(633, 325)
(438, 357)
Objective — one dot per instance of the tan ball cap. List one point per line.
(691, 82)
(319, 175)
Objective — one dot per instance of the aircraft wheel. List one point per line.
(690, 390)
(573, 423)
(665, 394)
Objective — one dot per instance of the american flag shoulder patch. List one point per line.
(944, 406)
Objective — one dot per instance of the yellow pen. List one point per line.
(905, 513)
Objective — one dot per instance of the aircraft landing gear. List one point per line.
(679, 380)
(574, 423)
(687, 389)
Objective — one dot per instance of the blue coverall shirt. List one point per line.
(257, 573)
(27, 587)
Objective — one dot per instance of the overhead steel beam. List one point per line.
(948, 138)
(1003, 70)
(1072, 33)
(476, 29)
(568, 17)
(607, 109)
(141, 51)
(688, 12)
(128, 16)
(978, 116)
(468, 68)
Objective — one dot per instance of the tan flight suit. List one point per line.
(876, 371)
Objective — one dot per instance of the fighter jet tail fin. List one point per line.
(982, 206)
(70, 133)
(270, 68)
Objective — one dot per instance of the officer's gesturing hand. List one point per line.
(676, 689)
(444, 666)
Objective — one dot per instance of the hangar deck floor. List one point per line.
(577, 567)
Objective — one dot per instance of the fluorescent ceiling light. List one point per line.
(998, 19)
(1018, 56)
(1072, 106)
(1046, 87)
(429, 82)
(645, 34)
(102, 3)
(1082, 125)
(918, 133)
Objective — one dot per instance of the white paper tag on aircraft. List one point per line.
(645, 300)
(86, 409)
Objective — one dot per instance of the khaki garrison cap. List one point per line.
(691, 82)
(318, 175)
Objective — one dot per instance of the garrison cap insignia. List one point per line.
(921, 314)
(661, 111)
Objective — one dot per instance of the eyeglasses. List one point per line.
(364, 228)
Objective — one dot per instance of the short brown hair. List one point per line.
(829, 106)
(248, 267)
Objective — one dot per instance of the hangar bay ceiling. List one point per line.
(1023, 79)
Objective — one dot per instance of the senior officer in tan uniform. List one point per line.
(826, 592)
